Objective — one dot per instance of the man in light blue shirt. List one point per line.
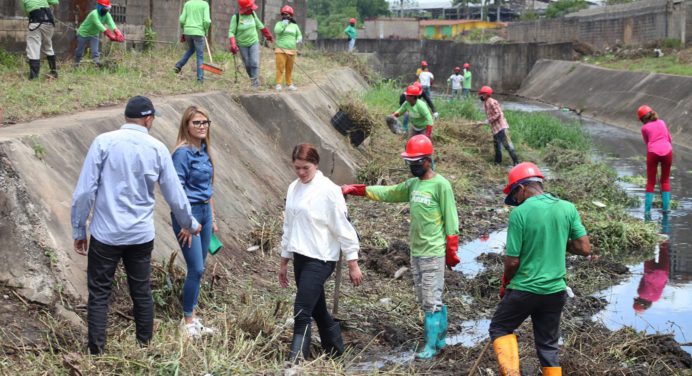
(118, 179)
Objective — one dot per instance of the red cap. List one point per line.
(105, 3)
(287, 9)
(467, 65)
(485, 90)
(352, 21)
(414, 90)
(457, 69)
(423, 63)
(417, 147)
(520, 172)
(245, 5)
(643, 111)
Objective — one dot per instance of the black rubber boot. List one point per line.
(53, 66)
(300, 346)
(332, 342)
(513, 154)
(34, 68)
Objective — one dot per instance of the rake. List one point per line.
(211, 67)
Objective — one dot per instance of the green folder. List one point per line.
(214, 244)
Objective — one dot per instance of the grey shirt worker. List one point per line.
(120, 172)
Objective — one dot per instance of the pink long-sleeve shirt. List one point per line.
(657, 138)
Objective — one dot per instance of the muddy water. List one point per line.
(657, 298)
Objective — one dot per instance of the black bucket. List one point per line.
(345, 126)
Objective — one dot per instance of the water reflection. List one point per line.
(656, 272)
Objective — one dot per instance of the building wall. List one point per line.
(503, 66)
(390, 28)
(450, 31)
(631, 24)
(164, 14)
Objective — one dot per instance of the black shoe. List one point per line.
(34, 68)
(300, 346)
(332, 342)
(176, 69)
(53, 66)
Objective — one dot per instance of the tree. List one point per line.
(333, 15)
(562, 7)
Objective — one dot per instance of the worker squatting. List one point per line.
(195, 22)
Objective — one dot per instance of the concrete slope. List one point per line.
(252, 137)
(613, 96)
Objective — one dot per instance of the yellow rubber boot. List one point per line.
(552, 371)
(507, 352)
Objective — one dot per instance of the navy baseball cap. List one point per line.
(139, 107)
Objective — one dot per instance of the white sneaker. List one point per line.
(278, 87)
(203, 330)
(190, 330)
(292, 87)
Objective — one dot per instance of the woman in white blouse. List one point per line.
(316, 230)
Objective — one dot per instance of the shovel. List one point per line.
(211, 67)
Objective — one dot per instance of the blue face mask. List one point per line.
(101, 9)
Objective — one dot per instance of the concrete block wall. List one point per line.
(631, 24)
(503, 66)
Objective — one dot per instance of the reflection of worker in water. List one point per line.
(655, 275)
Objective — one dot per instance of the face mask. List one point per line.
(418, 170)
(482, 99)
(103, 12)
(285, 17)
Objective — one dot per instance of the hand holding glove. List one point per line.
(119, 37)
(234, 47)
(182, 38)
(452, 259)
(110, 35)
(267, 35)
(505, 282)
(353, 189)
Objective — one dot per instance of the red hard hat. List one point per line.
(467, 65)
(643, 111)
(520, 172)
(246, 4)
(287, 9)
(352, 21)
(485, 90)
(417, 147)
(457, 69)
(105, 3)
(423, 63)
(413, 90)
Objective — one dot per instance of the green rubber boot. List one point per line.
(431, 334)
(665, 199)
(442, 314)
(648, 201)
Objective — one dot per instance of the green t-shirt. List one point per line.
(31, 5)
(287, 35)
(433, 212)
(93, 24)
(195, 19)
(351, 32)
(245, 30)
(467, 79)
(419, 114)
(538, 232)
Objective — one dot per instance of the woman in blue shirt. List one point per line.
(195, 167)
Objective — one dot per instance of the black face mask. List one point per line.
(418, 170)
(103, 12)
(482, 99)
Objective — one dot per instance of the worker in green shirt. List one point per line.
(351, 34)
(433, 233)
(419, 113)
(288, 36)
(541, 230)
(96, 22)
(466, 88)
(195, 21)
(243, 37)
(39, 37)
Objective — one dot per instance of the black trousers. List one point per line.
(502, 139)
(103, 260)
(545, 312)
(311, 274)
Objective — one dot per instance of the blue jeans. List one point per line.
(406, 121)
(195, 256)
(466, 92)
(195, 44)
(351, 44)
(251, 59)
(93, 46)
(426, 90)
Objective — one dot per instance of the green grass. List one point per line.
(129, 73)
(668, 64)
(538, 130)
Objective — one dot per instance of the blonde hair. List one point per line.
(184, 135)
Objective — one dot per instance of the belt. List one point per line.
(199, 203)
